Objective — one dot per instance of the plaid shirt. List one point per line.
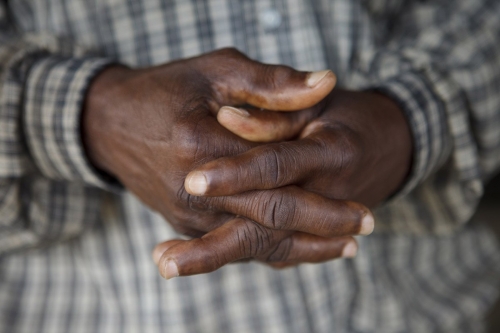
(75, 256)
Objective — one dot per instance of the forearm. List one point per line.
(46, 192)
(441, 64)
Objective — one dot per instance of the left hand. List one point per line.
(358, 148)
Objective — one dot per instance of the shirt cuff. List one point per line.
(426, 115)
(54, 96)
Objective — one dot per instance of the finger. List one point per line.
(265, 167)
(220, 142)
(240, 80)
(306, 248)
(162, 247)
(292, 208)
(265, 126)
(241, 239)
(282, 88)
(235, 240)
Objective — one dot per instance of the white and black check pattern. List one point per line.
(75, 254)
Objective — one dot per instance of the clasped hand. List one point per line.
(256, 161)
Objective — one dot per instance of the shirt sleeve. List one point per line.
(440, 60)
(48, 190)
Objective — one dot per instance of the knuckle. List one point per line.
(348, 162)
(281, 252)
(191, 141)
(277, 75)
(253, 239)
(349, 147)
(187, 141)
(345, 153)
(228, 52)
(272, 168)
(279, 210)
(193, 217)
(181, 229)
(346, 142)
(185, 200)
(226, 60)
(272, 164)
(212, 258)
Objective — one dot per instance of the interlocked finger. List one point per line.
(242, 239)
(294, 209)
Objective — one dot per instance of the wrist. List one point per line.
(426, 117)
(383, 137)
(97, 117)
(399, 138)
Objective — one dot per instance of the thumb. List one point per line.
(265, 126)
(281, 88)
(240, 80)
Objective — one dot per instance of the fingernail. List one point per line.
(171, 269)
(196, 183)
(367, 224)
(157, 253)
(315, 77)
(350, 250)
(235, 111)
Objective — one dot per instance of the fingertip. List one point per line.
(157, 253)
(313, 79)
(239, 122)
(367, 224)
(170, 269)
(264, 125)
(350, 249)
(196, 183)
(232, 111)
(161, 248)
(314, 126)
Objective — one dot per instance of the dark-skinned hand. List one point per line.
(150, 127)
(358, 147)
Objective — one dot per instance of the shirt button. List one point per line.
(270, 19)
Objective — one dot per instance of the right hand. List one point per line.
(150, 127)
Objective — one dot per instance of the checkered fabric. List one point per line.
(75, 255)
